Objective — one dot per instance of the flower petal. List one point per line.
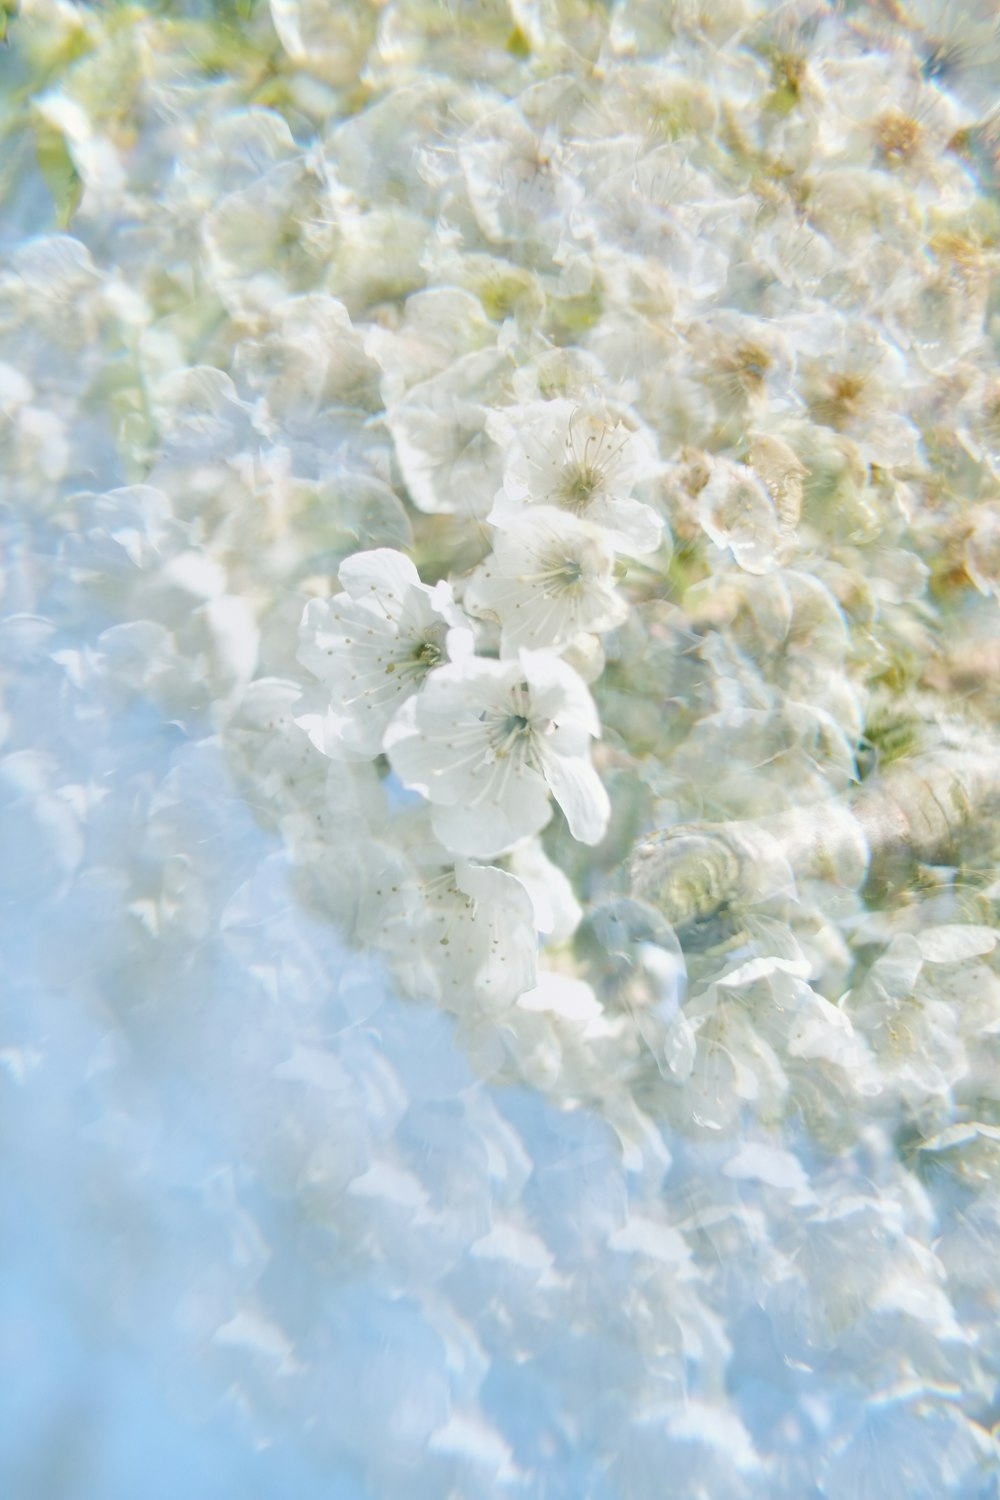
(580, 793)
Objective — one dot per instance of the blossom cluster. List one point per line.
(496, 439)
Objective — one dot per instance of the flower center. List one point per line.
(557, 576)
(749, 366)
(512, 733)
(897, 136)
(569, 574)
(840, 400)
(580, 483)
(428, 654)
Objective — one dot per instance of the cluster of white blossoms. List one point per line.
(486, 741)
(480, 706)
(541, 457)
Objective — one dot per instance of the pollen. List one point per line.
(745, 368)
(428, 654)
(898, 136)
(840, 400)
(579, 485)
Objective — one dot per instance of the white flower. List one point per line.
(270, 753)
(582, 459)
(448, 459)
(438, 327)
(557, 911)
(98, 164)
(563, 996)
(744, 363)
(880, 115)
(982, 549)
(330, 44)
(516, 178)
(914, 1032)
(856, 381)
(373, 645)
(736, 511)
(271, 238)
(549, 578)
(487, 741)
(473, 939)
(309, 359)
(960, 48)
(655, 204)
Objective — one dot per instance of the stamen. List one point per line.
(579, 485)
(428, 654)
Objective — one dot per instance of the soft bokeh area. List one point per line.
(500, 750)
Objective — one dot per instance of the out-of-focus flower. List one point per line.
(307, 359)
(487, 742)
(42, 827)
(908, 1439)
(854, 380)
(982, 551)
(656, 204)
(737, 512)
(272, 238)
(516, 176)
(33, 440)
(438, 327)
(655, 102)
(93, 154)
(886, 117)
(271, 753)
(745, 365)
(958, 42)
(914, 1035)
(333, 47)
(447, 456)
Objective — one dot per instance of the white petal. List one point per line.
(631, 527)
(558, 692)
(954, 942)
(557, 911)
(493, 827)
(414, 759)
(507, 964)
(573, 999)
(580, 793)
(382, 576)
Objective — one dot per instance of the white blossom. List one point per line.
(487, 742)
(309, 360)
(333, 47)
(737, 512)
(557, 911)
(372, 646)
(582, 459)
(448, 457)
(516, 178)
(471, 939)
(271, 238)
(549, 578)
(438, 327)
(855, 380)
